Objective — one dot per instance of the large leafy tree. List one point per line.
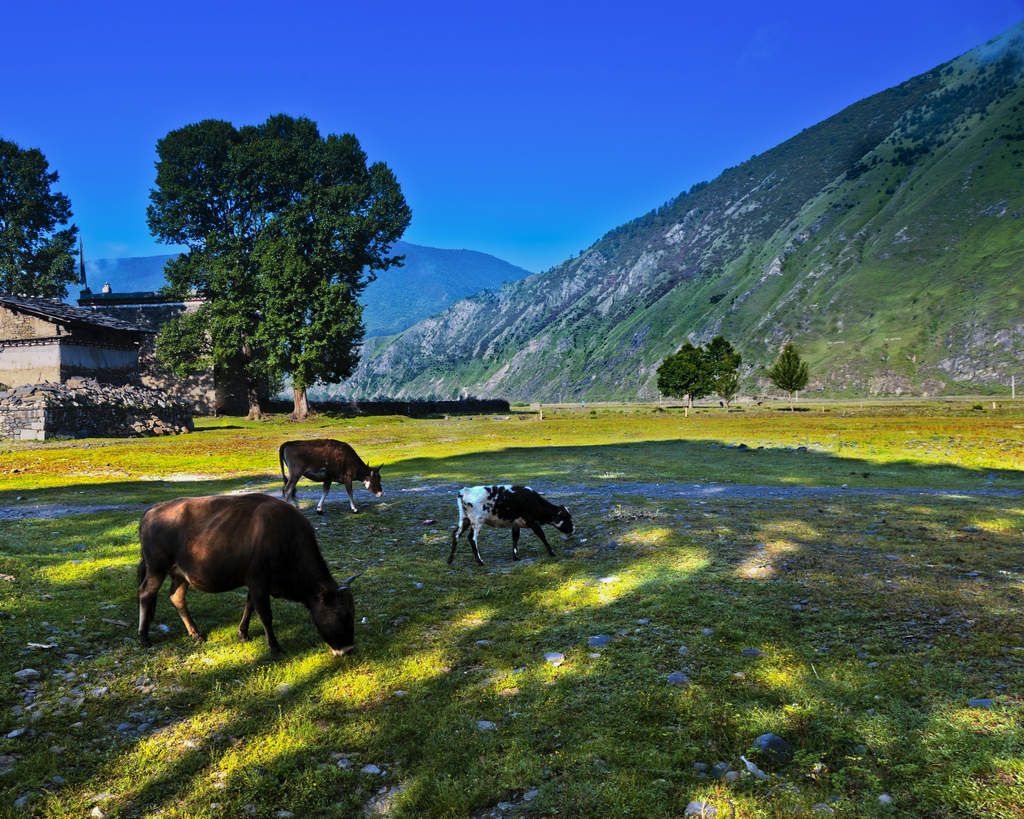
(36, 241)
(284, 229)
(789, 372)
(685, 374)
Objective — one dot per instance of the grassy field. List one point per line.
(849, 579)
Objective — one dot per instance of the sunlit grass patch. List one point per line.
(879, 617)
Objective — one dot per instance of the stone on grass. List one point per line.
(981, 702)
(824, 809)
(485, 725)
(702, 810)
(884, 799)
(679, 678)
(683, 650)
(554, 658)
(774, 747)
(373, 770)
(749, 651)
(599, 641)
(26, 674)
(707, 632)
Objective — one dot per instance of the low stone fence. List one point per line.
(413, 407)
(84, 408)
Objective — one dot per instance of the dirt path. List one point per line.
(654, 491)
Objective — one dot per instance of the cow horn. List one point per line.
(345, 584)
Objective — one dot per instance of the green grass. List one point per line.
(879, 616)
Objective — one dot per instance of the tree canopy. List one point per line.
(36, 241)
(284, 229)
(789, 372)
(724, 364)
(696, 372)
(685, 374)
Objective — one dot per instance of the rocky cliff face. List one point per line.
(886, 242)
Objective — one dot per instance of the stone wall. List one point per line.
(414, 408)
(84, 408)
(200, 390)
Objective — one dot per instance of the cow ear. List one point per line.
(345, 585)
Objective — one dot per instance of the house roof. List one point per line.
(59, 312)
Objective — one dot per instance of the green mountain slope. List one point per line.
(429, 280)
(887, 242)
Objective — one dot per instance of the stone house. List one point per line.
(208, 393)
(44, 340)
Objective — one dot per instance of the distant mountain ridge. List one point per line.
(430, 280)
(887, 242)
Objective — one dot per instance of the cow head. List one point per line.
(563, 521)
(372, 482)
(333, 613)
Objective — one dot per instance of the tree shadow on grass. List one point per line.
(823, 587)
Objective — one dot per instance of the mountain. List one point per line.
(886, 242)
(429, 280)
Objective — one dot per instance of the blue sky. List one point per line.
(525, 130)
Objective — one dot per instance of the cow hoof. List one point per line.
(319, 511)
(243, 638)
(198, 638)
(146, 642)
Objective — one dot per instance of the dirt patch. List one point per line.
(654, 491)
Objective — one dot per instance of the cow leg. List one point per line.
(288, 492)
(261, 602)
(515, 543)
(462, 526)
(351, 500)
(472, 542)
(535, 528)
(323, 497)
(179, 587)
(148, 589)
(243, 626)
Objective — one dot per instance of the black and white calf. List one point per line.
(510, 507)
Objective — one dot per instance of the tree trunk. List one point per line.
(300, 410)
(253, 398)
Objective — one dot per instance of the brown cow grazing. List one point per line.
(218, 543)
(326, 460)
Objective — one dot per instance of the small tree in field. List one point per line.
(685, 374)
(788, 372)
(724, 364)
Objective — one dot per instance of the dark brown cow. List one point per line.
(326, 460)
(218, 543)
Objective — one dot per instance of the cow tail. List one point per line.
(280, 457)
(140, 571)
